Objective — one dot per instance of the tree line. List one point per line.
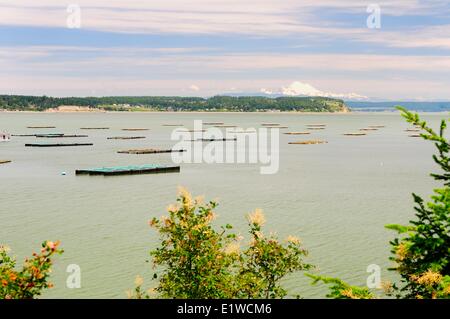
(175, 103)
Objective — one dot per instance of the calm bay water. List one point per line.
(337, 196)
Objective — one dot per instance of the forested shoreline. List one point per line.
(167, 103)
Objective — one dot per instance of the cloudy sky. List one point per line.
(207, 47)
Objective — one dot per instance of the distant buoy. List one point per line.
(63, 173)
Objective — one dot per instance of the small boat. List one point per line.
(4, 137)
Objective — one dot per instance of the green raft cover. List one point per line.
(130, 169)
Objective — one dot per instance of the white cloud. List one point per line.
(266, 91)
(40, 58)
(194, 87)
(305, 89)
(48, 70)
(408, 37)
(252, 17)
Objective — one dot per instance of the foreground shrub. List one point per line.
(32, 278)
(341, 290)
(422, 251)
(199, 261)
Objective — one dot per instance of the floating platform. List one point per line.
(49, 135)
(368, 129)
(216, 139)
(94, 128)
(311, 142)
(128, 170)
(135, 129)
(193, 131)
(149, 151)
(24, 135)
(274, 126)
(41, 126)
(59, 135)
(58, 145)
(354, 134)
(242, 131)
(4, 161)
(225, 126)
(126, 137)
(297, 133)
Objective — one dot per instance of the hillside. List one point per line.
(162, 103)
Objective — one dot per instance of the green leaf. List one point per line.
(400, 228)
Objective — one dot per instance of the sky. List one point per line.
(351, 49)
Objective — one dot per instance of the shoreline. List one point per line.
(175, 112)
(220, 112)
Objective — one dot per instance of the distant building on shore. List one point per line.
(4, 137)
(73, 108)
